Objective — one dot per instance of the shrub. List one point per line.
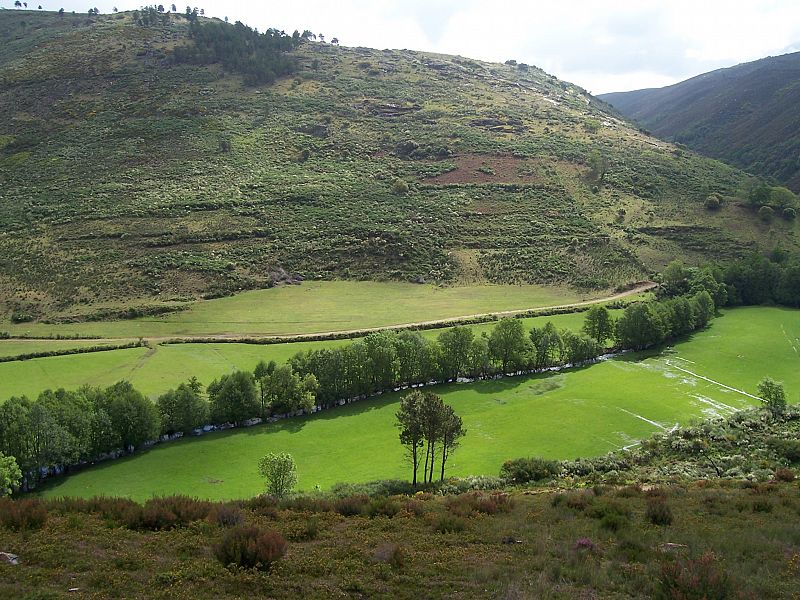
(789, 213)
(784, 475)
(308, 504)
(390, 553)
(151, 517)
(523, 470)
(632, 548)
(225, 515)
(773, 396)
(690, 579)
(307, 532)
(766, 214)
(22, 515)
(788, 449)
(629, 491)
(185, 509)
(264, 505)
(447, 523)
(578, 500)
(713, 202)
(414, 507)
(399, 187)
(762, 505)
(658, 511)
(382, 507)
(249, 547)
(351, 505)
(470, 503)
(613, 515)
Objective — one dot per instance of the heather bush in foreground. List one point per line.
(250, 546)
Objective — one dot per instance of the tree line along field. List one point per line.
(314, 307)
(578, 412)
(154, 370)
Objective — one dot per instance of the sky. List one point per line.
(614, 45)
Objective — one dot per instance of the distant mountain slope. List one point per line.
(135, 164)
(747, 115)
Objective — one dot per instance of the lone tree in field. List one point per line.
(425, 421)
(280, 473)
(411, 436)
(773, 396)
(599, 324)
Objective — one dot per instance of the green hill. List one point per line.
(745, 115)
(132, 172)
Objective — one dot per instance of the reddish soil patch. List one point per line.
(488, 168)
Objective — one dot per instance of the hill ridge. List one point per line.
(129, 175)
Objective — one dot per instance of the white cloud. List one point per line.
(603, 46)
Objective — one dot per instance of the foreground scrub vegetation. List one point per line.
(704, 539)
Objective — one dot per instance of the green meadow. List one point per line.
(157, 369)
(18, 347)
(579, 412)
(318, 306)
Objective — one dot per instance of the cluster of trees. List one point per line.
(259, 57)
(428, 426)
(62, 428)
(769, 201)
(752, 281)
(71, 427)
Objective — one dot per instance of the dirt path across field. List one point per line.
(347, 333)
(638, 289)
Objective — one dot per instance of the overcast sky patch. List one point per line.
(615, 45)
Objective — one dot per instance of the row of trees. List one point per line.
(754, 280)
(72, 427)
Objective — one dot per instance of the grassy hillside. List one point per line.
(575, 413)
(745, 115)
(131, 180)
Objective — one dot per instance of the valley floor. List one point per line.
(579, 412)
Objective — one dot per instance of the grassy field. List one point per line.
(581, 412)
(17, 347)
(319, 306)
(155, 370)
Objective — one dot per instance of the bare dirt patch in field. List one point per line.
(488, 168)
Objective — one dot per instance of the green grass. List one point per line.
(155, 370)
(581, 412)
(17, 347)
(315, 307)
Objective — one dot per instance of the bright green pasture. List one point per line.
(319, 306)
(17, 347)
(581, 412)
(154, 371)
